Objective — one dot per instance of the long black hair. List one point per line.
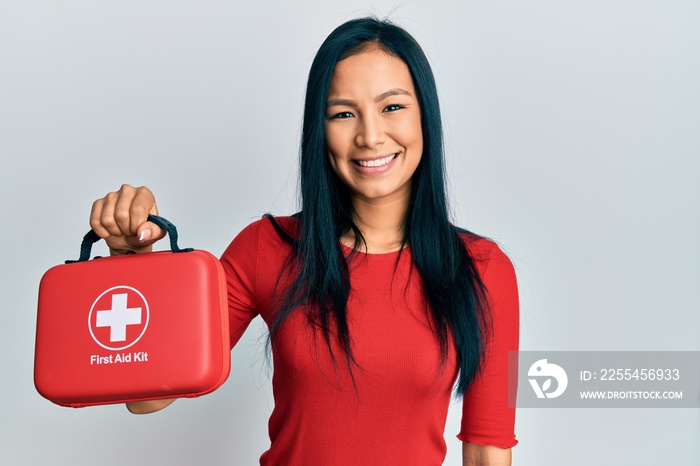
(454, 293)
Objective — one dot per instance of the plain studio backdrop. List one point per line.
(572, 135)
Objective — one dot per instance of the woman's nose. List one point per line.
(370, 132)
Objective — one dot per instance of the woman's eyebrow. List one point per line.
(344, 102)
(390, 92)
(379, 98)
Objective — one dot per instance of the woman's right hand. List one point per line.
(120, 218)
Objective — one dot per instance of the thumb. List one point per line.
(148, 233)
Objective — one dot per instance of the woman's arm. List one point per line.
(488, 417)
(147, 407)
(480, 455)
(120, 218)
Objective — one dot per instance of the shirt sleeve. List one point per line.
(240, 266)
(487, 418)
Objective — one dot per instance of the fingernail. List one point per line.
(145, 234)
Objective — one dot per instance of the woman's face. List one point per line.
(373, 126)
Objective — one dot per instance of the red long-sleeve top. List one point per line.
(395, 413)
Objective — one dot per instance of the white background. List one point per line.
(572, 137)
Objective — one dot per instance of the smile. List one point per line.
(376, 162)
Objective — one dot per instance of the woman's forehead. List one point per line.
(372, 71)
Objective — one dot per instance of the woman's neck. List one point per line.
(381, 223)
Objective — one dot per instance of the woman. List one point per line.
(376, 304)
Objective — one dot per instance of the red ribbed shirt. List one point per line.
(396, 414)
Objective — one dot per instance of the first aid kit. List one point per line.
(132, 327)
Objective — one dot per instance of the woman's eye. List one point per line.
(341, 115)
(393, 107)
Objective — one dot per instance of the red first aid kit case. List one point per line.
(132, 327)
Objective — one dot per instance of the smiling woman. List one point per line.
(378, 307)
(373, 132)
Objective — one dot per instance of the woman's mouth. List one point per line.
(376, 162)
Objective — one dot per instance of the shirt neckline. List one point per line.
(392, 255)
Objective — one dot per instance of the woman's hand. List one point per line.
(120, 218)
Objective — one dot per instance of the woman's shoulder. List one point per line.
(483, 250)
(495, 269)
(269, 227)
(286, 227)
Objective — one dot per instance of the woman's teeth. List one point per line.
(376, 163)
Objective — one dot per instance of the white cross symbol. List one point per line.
(118, 317)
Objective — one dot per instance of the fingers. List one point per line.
(95, 219)
(121, 218)
(143, 204)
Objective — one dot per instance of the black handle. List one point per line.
(91, 237)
